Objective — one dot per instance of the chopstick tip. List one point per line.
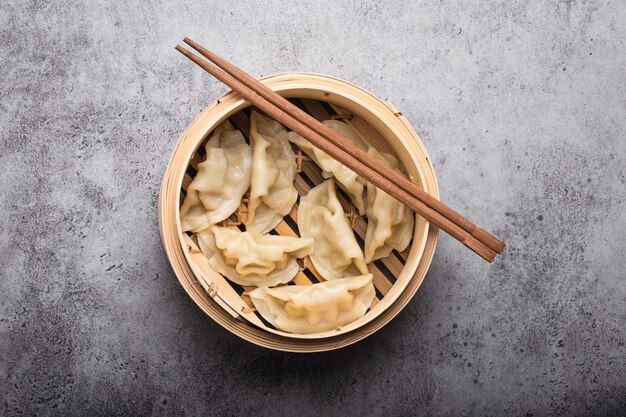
(489, 240)
(480, 248)
(182, 50)
(192, 43)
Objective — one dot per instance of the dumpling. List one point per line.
(272, 193)
(249, 258)
(347, 179)
(315, 308)
(222, 180)
(389, 222)
(321, 217)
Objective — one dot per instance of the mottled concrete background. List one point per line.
(522, 108)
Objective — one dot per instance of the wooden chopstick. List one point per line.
(303, 117)
(348, 158)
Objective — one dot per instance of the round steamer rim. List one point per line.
(419, 237)
(384, 118)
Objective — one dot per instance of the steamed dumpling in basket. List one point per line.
(272, 193)
(249, 258)
(222, 180)
(348, 180)
(315, 308)
(389, 222)
(321, 217)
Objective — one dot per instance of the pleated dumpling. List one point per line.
(250, 258)
(315, 308)
(222, 180)
(389, 222)
(348, 180)
(272, 193)
(321, 217)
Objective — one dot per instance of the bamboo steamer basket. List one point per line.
(396, 277)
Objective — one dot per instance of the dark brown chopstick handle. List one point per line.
(345, 158)
(346, 146)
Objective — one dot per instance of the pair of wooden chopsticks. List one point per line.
(371, 169)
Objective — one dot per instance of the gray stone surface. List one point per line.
(521, 106)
